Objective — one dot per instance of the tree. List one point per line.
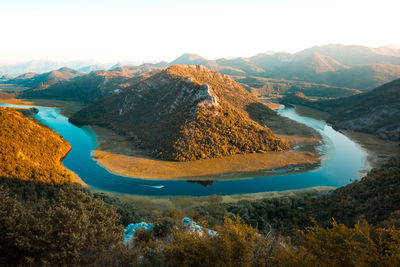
(71, 229)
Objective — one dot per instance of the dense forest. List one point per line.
(375, 198)
(30, 151)
(356, 225)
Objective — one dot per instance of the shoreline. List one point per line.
(377, 151)
(118, 156)
(166, 203)
(122, 159)
(67, 108)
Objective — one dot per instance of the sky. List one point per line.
(154, 30)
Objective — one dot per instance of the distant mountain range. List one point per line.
(355, 67)
(43, 81)
(376, 112)
(186, 112)
(329, 71)
(42, 66)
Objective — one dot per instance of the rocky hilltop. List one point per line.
(186, 112)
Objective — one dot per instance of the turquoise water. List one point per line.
(341, 162)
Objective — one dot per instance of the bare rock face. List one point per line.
(185, 112)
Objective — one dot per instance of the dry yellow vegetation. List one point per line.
(29, 151)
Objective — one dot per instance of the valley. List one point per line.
(154, 121)
(200, 133)
(146, 142)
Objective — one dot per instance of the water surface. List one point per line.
(341, 161)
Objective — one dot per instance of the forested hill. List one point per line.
(29, 151)
(376, 112)
(186, 112)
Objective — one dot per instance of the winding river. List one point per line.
(341, 161)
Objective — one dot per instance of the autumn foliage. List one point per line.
(339, 245)
(29, 151)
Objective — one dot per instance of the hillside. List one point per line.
(89, 87)
(186, 112)
(365, 78)
(29, 151)
(375, 198)
(270, 87)
(307, 67)
(43, 81)
(376, 112)
(93, 224)
(354, 55)
(216, 65)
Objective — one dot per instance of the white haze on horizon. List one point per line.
(121, 30)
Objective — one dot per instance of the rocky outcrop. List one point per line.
(185, 112)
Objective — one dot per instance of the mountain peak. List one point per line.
(189, 59)
(66, 69)
(189, 56)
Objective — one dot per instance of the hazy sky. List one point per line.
(117, 30)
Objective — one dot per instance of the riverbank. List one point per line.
(116, 153)
(67, 108)
(161, 204)
(377, 150)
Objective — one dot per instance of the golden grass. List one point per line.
(272, 105)
(15, 101)
(67, 108)
(117, 155)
